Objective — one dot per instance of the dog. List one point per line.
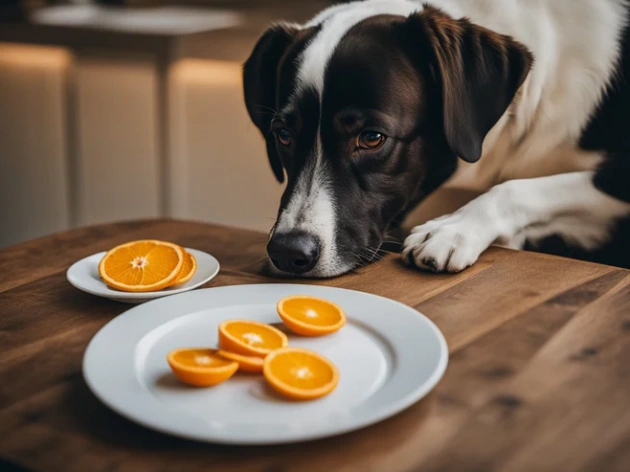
(373, 105)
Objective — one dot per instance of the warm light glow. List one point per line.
(206, 72)
(26, 55)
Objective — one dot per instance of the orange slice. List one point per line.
(200, 367)
(249, 364)
(310, 316)
(250, 338)
(300, 374)
(141, 266)
(189, 267)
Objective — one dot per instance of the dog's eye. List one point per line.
(370, 140)
(283, 136)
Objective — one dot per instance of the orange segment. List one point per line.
(300, 374)
(250, 364)
(189, 267)
(141, 266)
(200, 367)
(250, 338)
(310, 316)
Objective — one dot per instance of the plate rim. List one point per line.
(148, 296)
(389, 411)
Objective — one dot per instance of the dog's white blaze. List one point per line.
(336, 21)
(312, 210)
(312, 206)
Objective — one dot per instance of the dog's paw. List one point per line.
(442, 245)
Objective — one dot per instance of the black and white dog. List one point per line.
(373, 105)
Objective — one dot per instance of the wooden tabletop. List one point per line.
(538, 378)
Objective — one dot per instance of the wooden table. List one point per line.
(538, 380)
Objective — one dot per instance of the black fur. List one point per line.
(609, 130)
(270, 70)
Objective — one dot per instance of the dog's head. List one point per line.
(365, 109)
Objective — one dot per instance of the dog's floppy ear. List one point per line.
(478, 71)
(260, 77)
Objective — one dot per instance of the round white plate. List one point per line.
(389, 356)
(83, 275)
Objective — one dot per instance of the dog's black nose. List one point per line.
(295, 252)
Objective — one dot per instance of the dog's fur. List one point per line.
(526, 101)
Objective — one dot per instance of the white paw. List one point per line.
(443, 245)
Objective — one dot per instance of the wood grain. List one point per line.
(538, 379)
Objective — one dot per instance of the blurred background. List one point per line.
(127, 109)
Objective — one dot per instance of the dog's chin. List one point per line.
(317, 273)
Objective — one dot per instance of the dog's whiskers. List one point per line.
(259, 260)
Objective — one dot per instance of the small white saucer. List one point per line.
(84, 276)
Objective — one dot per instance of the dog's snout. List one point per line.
(294, 252)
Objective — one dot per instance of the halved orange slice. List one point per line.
(310, 316)
(200, 367)
(250, 364)
(250, 338)
(300, 374)
(142, 266)
(189, 267)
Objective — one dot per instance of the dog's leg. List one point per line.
(567, 204)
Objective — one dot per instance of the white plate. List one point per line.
(83, 275)
(389, 356)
